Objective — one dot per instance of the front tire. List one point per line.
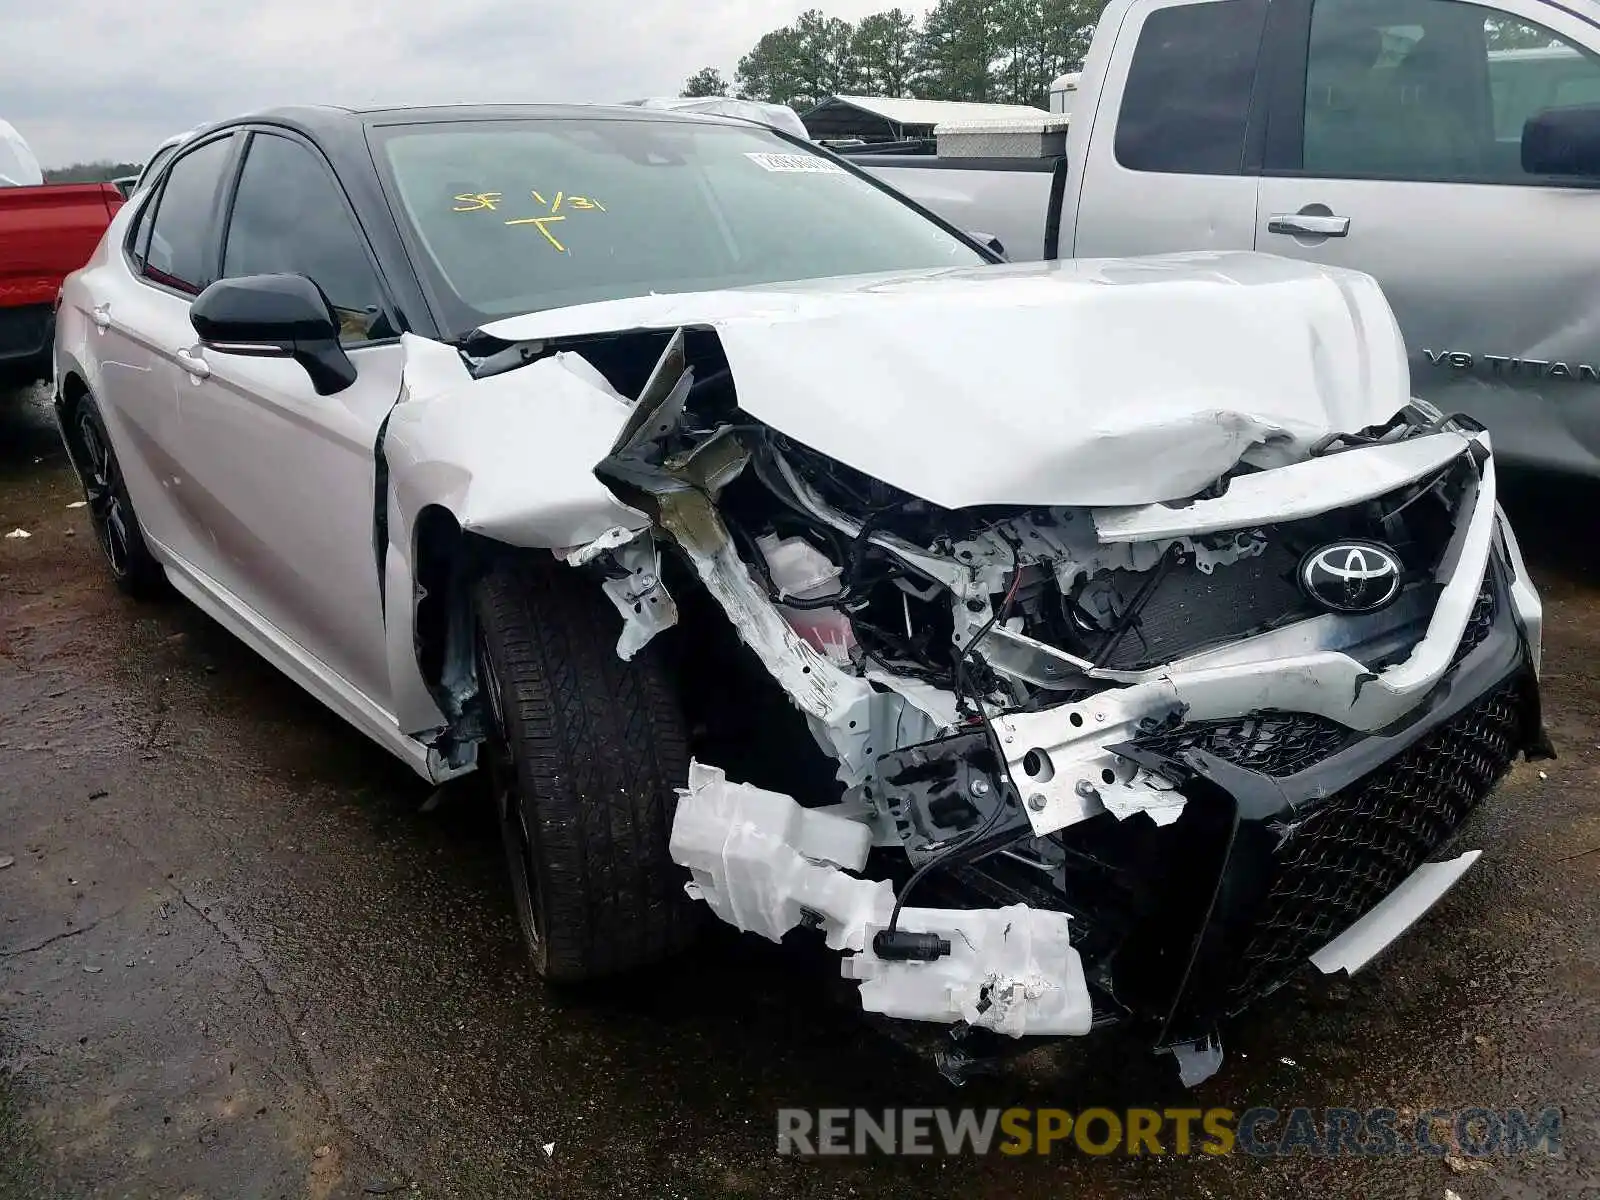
(584, 754)
(116, 526)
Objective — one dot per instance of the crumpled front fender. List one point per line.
(511, 457)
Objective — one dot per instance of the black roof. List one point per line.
(321, 120)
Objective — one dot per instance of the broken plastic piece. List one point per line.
(643, 600)
(765, 865)
(1013, 970)
(1303, 489)
(617, 535)
(1393, 915)
(761, 861)
(1198, 1061)
(1161, 806)
(799, 569)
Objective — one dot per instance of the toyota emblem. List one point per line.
(1351, 577)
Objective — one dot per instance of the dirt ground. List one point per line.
(239, 959)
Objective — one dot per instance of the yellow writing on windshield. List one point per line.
(555, 209)
(541, 223)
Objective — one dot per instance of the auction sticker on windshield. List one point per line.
(794, 162)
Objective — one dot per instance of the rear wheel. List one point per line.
(116, 526)
(584, 755)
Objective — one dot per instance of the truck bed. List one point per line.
(46, 232)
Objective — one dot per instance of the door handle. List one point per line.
(193, 364)
(1308, 224)
(102, 315)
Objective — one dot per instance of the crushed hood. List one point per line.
(1089, 382)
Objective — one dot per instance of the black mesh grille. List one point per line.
(1479, 623)
(1362, 842)
(1190, 610)
(1272, 743)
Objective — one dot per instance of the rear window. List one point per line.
(514, 216)
(1187, 97)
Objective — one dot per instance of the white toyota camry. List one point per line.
(782, 554)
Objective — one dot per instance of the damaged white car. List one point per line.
(1070, 643)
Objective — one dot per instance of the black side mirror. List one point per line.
(988, 240)
(1562, 141)
(275, 316)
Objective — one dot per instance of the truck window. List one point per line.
(1188, 92)
(1441, 95)
(1540, 72)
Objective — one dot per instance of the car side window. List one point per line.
(290, 217)
(153, 167)
(1187, 100)
(1444, 95)
(139, 235)
(181, 233)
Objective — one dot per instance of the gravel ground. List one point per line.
(238, 959)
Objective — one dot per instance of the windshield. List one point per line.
(514, 216)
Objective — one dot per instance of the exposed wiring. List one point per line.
(1130, 615)
(956, 852)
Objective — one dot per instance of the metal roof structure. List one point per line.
(885, 118)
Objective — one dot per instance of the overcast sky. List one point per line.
(87, 79)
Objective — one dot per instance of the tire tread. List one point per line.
(599, 747)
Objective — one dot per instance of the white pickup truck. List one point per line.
(1452, 150)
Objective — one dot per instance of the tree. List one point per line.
(884, 48)
(1510, 34)
(770, 71)
(956, 50)
(1005, 50)
(1068, 29)
(823, 61)
(707, 81)
(99, 171)
(1023, 71)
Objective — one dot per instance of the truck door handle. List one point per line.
(102, 316)
(1308, 224)
(196, 367)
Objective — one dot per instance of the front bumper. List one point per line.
(1303, 790)
(1277, 855)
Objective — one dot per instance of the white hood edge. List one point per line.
(1089, 382)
